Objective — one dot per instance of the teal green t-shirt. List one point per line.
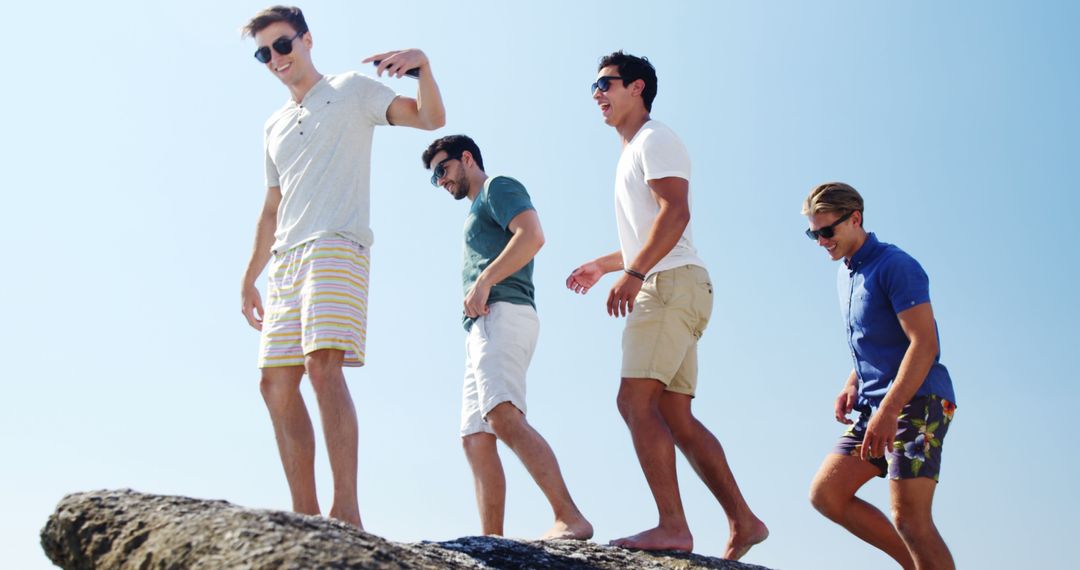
(486, 235)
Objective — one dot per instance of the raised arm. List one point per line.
(426, 111)
(250, 300)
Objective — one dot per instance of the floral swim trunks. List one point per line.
(916, 451)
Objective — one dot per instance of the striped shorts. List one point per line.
(316, 299)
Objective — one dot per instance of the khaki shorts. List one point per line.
(670, 314)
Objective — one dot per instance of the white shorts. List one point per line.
(498, 350)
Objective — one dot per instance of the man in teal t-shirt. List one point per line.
(502, 235)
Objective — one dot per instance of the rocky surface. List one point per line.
(130, 530)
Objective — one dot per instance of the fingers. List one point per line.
(576, 286)
(873, 446)
(397, 63)
(253, 314)
(251, 307)
(619, 303)
(381, 56)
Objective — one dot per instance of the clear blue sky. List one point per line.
(133, 177)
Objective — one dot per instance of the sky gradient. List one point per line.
(134, 178)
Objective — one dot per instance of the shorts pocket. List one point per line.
(665, 286)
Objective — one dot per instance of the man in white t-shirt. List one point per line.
(665, 293)
(315, 226)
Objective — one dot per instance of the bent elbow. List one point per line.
(436, 122)
(682, 217)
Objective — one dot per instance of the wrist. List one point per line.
(634, 273)
(887, 410)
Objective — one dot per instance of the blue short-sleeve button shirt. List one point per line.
(876, 284)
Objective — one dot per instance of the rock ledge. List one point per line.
(125, 529)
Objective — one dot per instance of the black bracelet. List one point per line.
(633, 273)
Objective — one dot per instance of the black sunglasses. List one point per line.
(828, 231)
(281, 45)
(603, 83)
(440, 170)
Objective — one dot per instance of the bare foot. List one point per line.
(579, 529)
(741, 540)
(658, 539)
(352, 518)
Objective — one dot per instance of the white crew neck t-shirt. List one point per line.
(655, 152)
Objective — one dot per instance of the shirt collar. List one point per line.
(866, 252)
(319, 85)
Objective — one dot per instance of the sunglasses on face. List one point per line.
(282, 45)
(603, 83)
(440, 170)
(828, 231)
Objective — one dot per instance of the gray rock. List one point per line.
(129, 530)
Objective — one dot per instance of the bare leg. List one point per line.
(483, 456)
(535, 454)
(295, 437)
(911, 505)
(706, 455)
(833, 494)
(339, 429)
(639, 404)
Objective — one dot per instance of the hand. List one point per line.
(476, 300)
(620, 301)
(584, 277)
(880, 434)
(397, 62)
(845, 402)
(251, 306)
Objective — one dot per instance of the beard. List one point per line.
(461, 188)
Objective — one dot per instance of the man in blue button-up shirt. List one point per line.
(903, 394)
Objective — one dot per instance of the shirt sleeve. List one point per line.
(373, 97)
(905, 282)
(506, 199)
(272, 178)
(664, 155)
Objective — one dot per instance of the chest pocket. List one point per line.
(864, 305)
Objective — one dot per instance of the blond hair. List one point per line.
(832, 197)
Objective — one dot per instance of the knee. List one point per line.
(629, 407)
(505, 420)
(475, 443)
(324, 368)
(826, 500)
(277, 392)
(912, 526)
